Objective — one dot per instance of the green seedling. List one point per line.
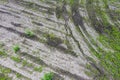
(4, 77)
(29, 64)
(16, 48)
(18, 75)
(2, 53)
(5, 70)
(39, 69)
(24, 63)
(48, 76)
(16, 59)
(29, 33)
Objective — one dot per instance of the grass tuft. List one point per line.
(16, 59)
(48, 76)
(16, 48)
(29, 33)
(39, 69)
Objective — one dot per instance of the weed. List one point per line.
(16, 59)
(4, 72)
(110, 60)
(29, 64)
(4, 77)
(29, 33)
(18, 75)
(24, 63)
(39, 69)
(51, 36)
(48, 76)
(2, 53)
(16, 48)
(52, 40)
(1, 44)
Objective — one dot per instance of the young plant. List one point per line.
(24, 63)
(2, 53)
(16, 48)
(29, 33)
(29, 64)
(39, 69)
(16, 59)
(18, 75)
(48, 76)
(4, 77)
